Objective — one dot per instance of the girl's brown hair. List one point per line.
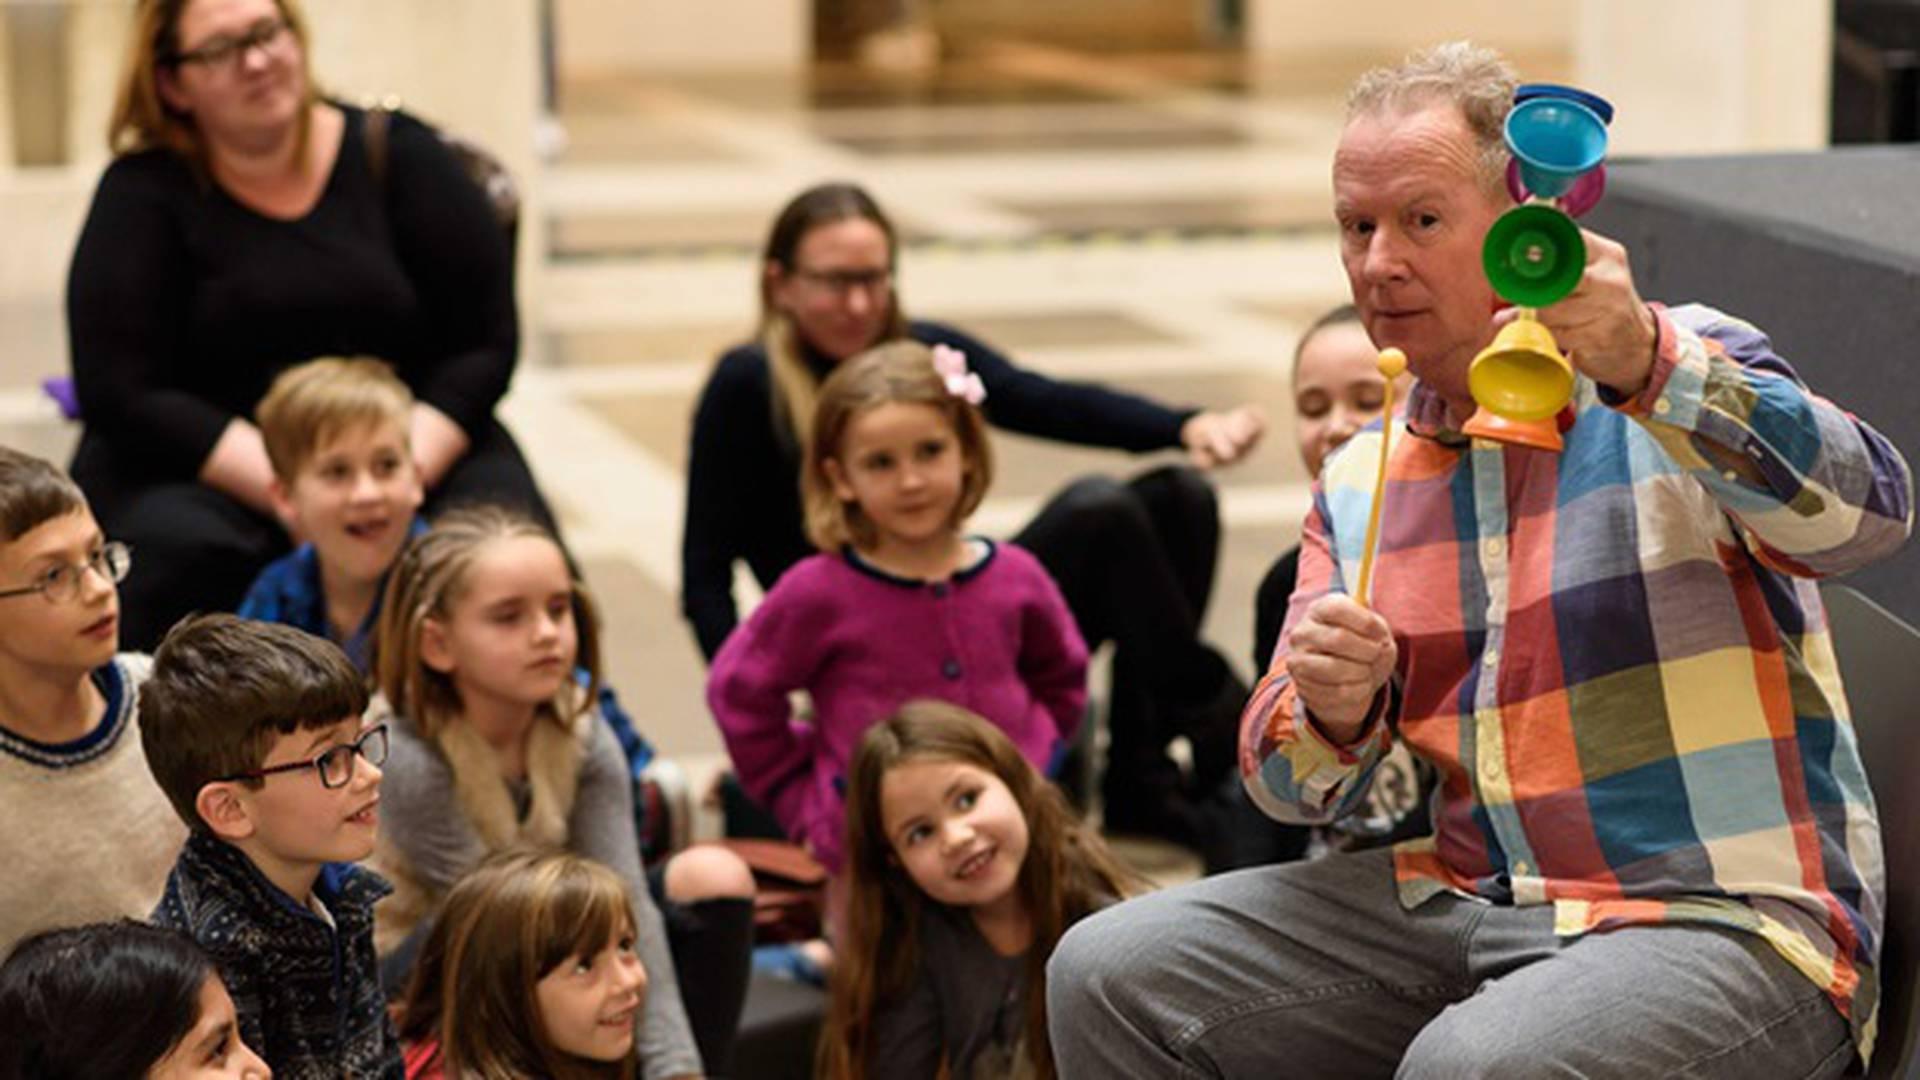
(795, 383)
(502, 929)
(1068, 874)
(900, 372)
(142, 119)
(427, 581)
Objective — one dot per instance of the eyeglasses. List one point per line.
(335, 765)
(62, 583)
(842, 282)
(225, 52)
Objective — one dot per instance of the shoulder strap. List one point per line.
(375, 132)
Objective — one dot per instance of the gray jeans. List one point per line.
(1315, 970)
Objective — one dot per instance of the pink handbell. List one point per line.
(951, 365)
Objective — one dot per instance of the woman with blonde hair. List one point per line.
(248, 223)
(532, 969)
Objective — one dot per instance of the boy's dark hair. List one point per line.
(32, 493)
(224, 687)
(108, 999)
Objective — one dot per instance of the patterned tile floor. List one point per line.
(1159, 223)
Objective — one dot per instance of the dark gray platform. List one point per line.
(1820, 250)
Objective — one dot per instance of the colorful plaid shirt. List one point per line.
(1616, 657)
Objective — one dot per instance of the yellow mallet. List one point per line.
(1391, 363)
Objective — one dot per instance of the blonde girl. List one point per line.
(497, 743)
(900, 603)
(531, 969)
(964, 868)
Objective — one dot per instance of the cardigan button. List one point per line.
(951, 669)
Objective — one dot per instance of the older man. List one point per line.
(1655, 852)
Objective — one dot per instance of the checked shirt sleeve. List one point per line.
(1290, 768)
(1815, 489)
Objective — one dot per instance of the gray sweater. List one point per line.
(422, 819)
(967, 1005)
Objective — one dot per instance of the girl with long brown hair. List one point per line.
(532, 969)
(965, 866)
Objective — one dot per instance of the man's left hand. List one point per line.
(1603, 326)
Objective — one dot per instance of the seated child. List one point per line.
(254, 731)
(496, 744)
(531, 970)
(900, 603)
(965, 866)
(120, 999)
(344, 481)
(70, 757)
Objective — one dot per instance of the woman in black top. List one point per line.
(1135, 560)
(240, 230)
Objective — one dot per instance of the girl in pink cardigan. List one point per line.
(899, 604)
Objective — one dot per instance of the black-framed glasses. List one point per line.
(61, 583)
(842, 282)
(225, 52)
(335, 764)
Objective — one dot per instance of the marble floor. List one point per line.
(1159, 223)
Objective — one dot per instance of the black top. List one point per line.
(183, 304)
(743, 477)
(1270, 608)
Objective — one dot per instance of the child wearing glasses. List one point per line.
(254, 732)
(102, 839)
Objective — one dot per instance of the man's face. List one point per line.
(1412, 216)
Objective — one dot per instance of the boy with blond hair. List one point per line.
(346, 484)
(70, 757)
(254, 733)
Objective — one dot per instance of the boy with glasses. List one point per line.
(70, 754)
(254, 732)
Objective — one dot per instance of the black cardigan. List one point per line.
(743, 480)
(183, 304)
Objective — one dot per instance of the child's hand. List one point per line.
(1222, 438)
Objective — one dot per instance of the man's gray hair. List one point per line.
(1473, 77)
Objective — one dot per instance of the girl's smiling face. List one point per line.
(956, 829)
(902, 464)
(588, 1003)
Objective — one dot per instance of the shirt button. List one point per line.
(951, 669)
(1494, 546)
(1662, 406)
(1490, 769)
(1523, 868)
(1491, 658)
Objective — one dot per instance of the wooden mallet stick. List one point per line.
(1391, 363)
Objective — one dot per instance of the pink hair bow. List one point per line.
(951, 364)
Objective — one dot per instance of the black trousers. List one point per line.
(1136, 561)
(195, 549)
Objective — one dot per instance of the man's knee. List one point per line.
(1089, 961)
(1456, 1046)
